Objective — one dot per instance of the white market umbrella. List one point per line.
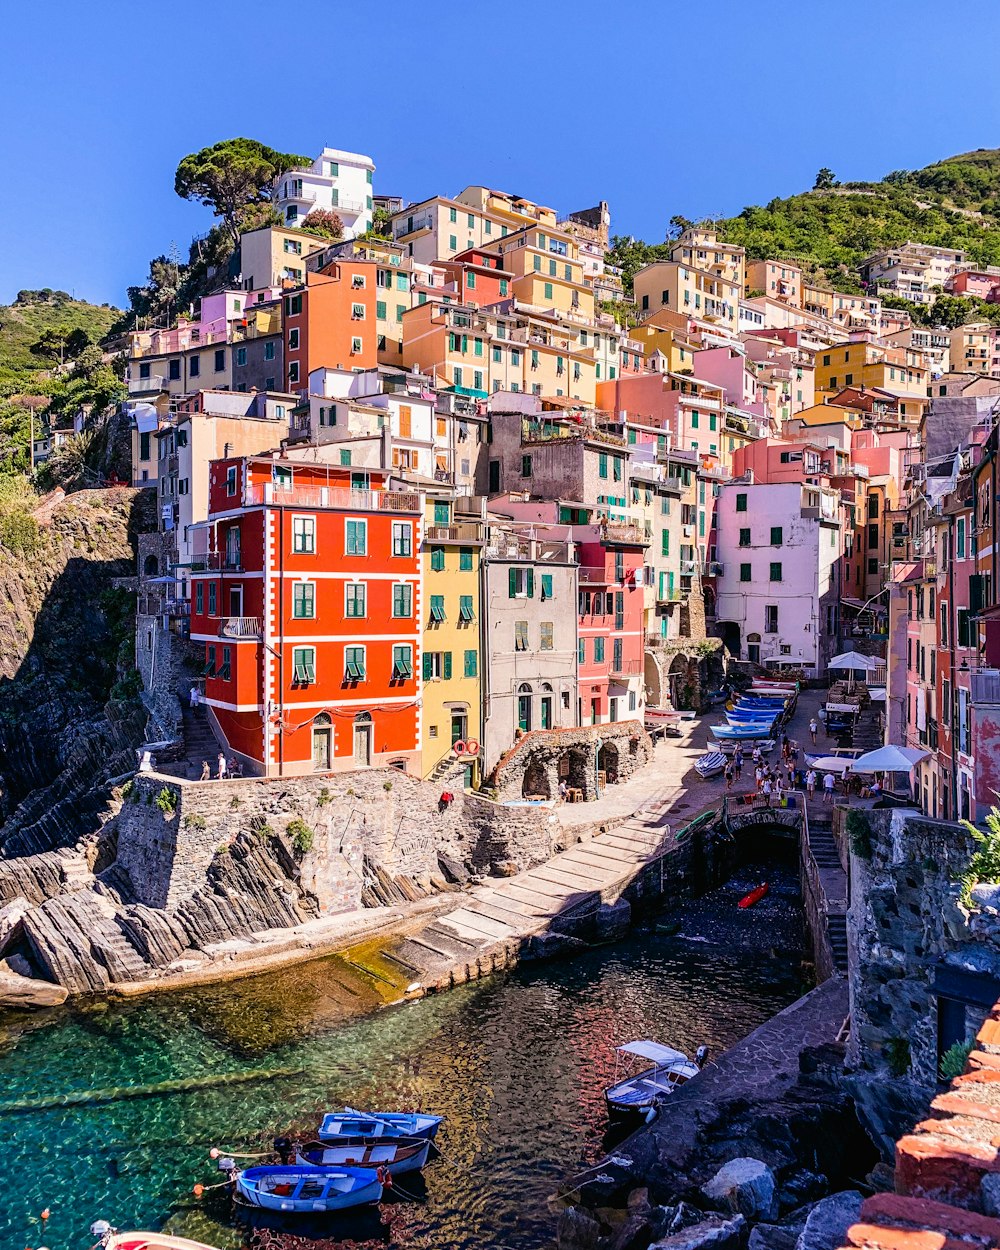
(889, 759)
(854, 660)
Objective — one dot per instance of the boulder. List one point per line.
(11, 915)
(612, 921)
(714, 1232)
(827, 1223)
(801, 1188)
(18, 991)
(577, 1230)
(745, 1186)
(773, 1237)
(986, 895)
(989, 1193)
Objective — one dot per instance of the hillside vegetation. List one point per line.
(51, 360)
(830, 229)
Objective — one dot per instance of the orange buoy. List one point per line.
(214, 1152)
(198, 1190)
(45, 1215)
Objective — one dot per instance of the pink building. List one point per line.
(974, 282)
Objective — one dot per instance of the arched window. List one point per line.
(546, 688)
(322, 719)
(524, 688)
(150, 568)
(363, 718)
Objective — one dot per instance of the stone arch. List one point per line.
(608, 761)
(150, 566)
(677, 680)
(652, 680)
(536, 780)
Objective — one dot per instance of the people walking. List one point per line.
(756, 756)
(222, 767)
(194, 698)
(813, 729)
(206, 771)
(738, 762)
(766, 791)
(811, 783)
(829, 781)
(727, 772)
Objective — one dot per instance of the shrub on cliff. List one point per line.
(301, 835)
(984, 864)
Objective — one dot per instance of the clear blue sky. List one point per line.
(656, 106)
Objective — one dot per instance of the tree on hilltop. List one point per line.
(230, 176)
(825, 180)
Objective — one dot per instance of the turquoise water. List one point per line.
(110, 1112)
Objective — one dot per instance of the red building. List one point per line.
(479, 278)
(307, 600)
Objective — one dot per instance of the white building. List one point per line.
(338, 181)
(777, 596)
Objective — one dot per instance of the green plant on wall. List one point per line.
(953, 1060)
(166, 801)
(859, 834)
(984, 863)
(302, 837)
(196, 822)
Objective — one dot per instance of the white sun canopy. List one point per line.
(654, 1051)
(856, 661)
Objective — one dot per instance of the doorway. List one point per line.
(236, 601)
(753, 648)
(363, 739)
(322, 743)
(459, 721)
(524, 708)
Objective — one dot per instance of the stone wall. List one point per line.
(374, 817)
(532, 765)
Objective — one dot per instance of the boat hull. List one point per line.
(397, 1156)
(308, 1190)
(351, 1125)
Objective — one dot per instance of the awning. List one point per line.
(653, 1051)
(907, 573)
(890, 759)
(856, 661)
(146, 418)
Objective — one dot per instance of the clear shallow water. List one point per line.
(110, 1113)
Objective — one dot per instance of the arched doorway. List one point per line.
(363, 739)
(524, 707)
(546, 721)
(150, 567)
(607, 762)
(753, 648)
(322, 742)
(536, 782)
(652, 680)
(677, 682)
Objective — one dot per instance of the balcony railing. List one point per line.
(671, 594)
(624, 668)
(627, 535)
(463, 531)
(240, 627)
(333, 497)
(595, 576)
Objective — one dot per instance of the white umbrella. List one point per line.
(889, 759)
(854, 660)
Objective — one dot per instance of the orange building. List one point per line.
(306, 596)
(331, 321)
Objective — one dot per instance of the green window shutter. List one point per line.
(447, 665)
(741, 503)
(665, 540)
(546, 585)
(511, 583)
(380, 309)
(437, 559)
(745, 572)
(531, 583)
(470, 664)
(581, 651)
(428, 666)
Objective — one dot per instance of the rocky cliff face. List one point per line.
(69, 719)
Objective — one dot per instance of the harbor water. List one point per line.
(109, 1112)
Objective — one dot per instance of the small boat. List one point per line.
(112, 1239)
(751, 716)
(751, 730)
(338, 1125)
(710, 765)
(292, 1187)
(728, 746)
(667, 715)
(636, 1096)
(396, 1155)
(754, 896)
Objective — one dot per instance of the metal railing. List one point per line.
(463, 531)
(333, 497)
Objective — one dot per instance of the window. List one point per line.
(437, 609)
(741, 503)
(144, 371)
(231, 479)
(356, 346)
(602, 464)
(199, 598)
(144, 446)
(664, 542)
(442, 514)
(355, 599)
(269, 350)
(465, 612)
(402, 538)
(304, 534)
(520, 583)
(873, 565)
(354, 664)
(465, 559)
(775, 574)
(357, 312)
(213, 593)
(598, 650)
(304, 665)
(174, 370)
(241, 355)
(471, 667)
(746, 573)
(220, 360)
(617, 465)
(226, 667)
(437, 559)
(744, 537)
(520, 635)
(356, 538)
(546, 586)
(402, 663)
(293, 372)
(452, 243)
(303, 600)
(771, 618)
(402, 599)
(546, 637)
(281, 476)
(453, 214)
(294, 305)
(194, 364)
(548, 291)
(960, 538)
(526, 466)
(776, 535)
(873, 536)
(581, 651)
(437, 665)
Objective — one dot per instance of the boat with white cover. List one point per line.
(636, 1095)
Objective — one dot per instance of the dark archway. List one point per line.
(678, 682)
(607, 762)
(651, 678)
(150, 566)
(536, 781)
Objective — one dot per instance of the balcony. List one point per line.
(623, 669)
(671, 594)
(333, 497)
(620, 534)
(595, 576)
(713, 568)
(240, 627)
(140, 386)
(425, 221)
(463, 532)
(217, 562)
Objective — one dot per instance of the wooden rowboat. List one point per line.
(287, 1187)
(355, 1125)
(396, 1155)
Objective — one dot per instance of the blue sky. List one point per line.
(656, 106)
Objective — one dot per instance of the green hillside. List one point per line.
(830, 229)
(50, 360)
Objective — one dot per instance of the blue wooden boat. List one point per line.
(395, 1154)
(765, 716)
(639, 1094)
(292, 1187)
(749, 731)
(338, 1125)
(752, 700)
(710, 765)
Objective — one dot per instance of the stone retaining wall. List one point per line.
(383, 815)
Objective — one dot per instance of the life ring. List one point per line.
(459, 747)
(472, 747)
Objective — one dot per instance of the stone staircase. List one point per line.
(836, 927)
(834, 879)
(200, 743)
(446, 765)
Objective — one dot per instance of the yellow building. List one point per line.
(676, 350)
(703, 294)
(699, 248)
(972, 348)
(547, 271)
(451, 615)
(899, 370)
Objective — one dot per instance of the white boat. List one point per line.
(112, 1239)
(636, 1095)
(710, 764)
(667, 714)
